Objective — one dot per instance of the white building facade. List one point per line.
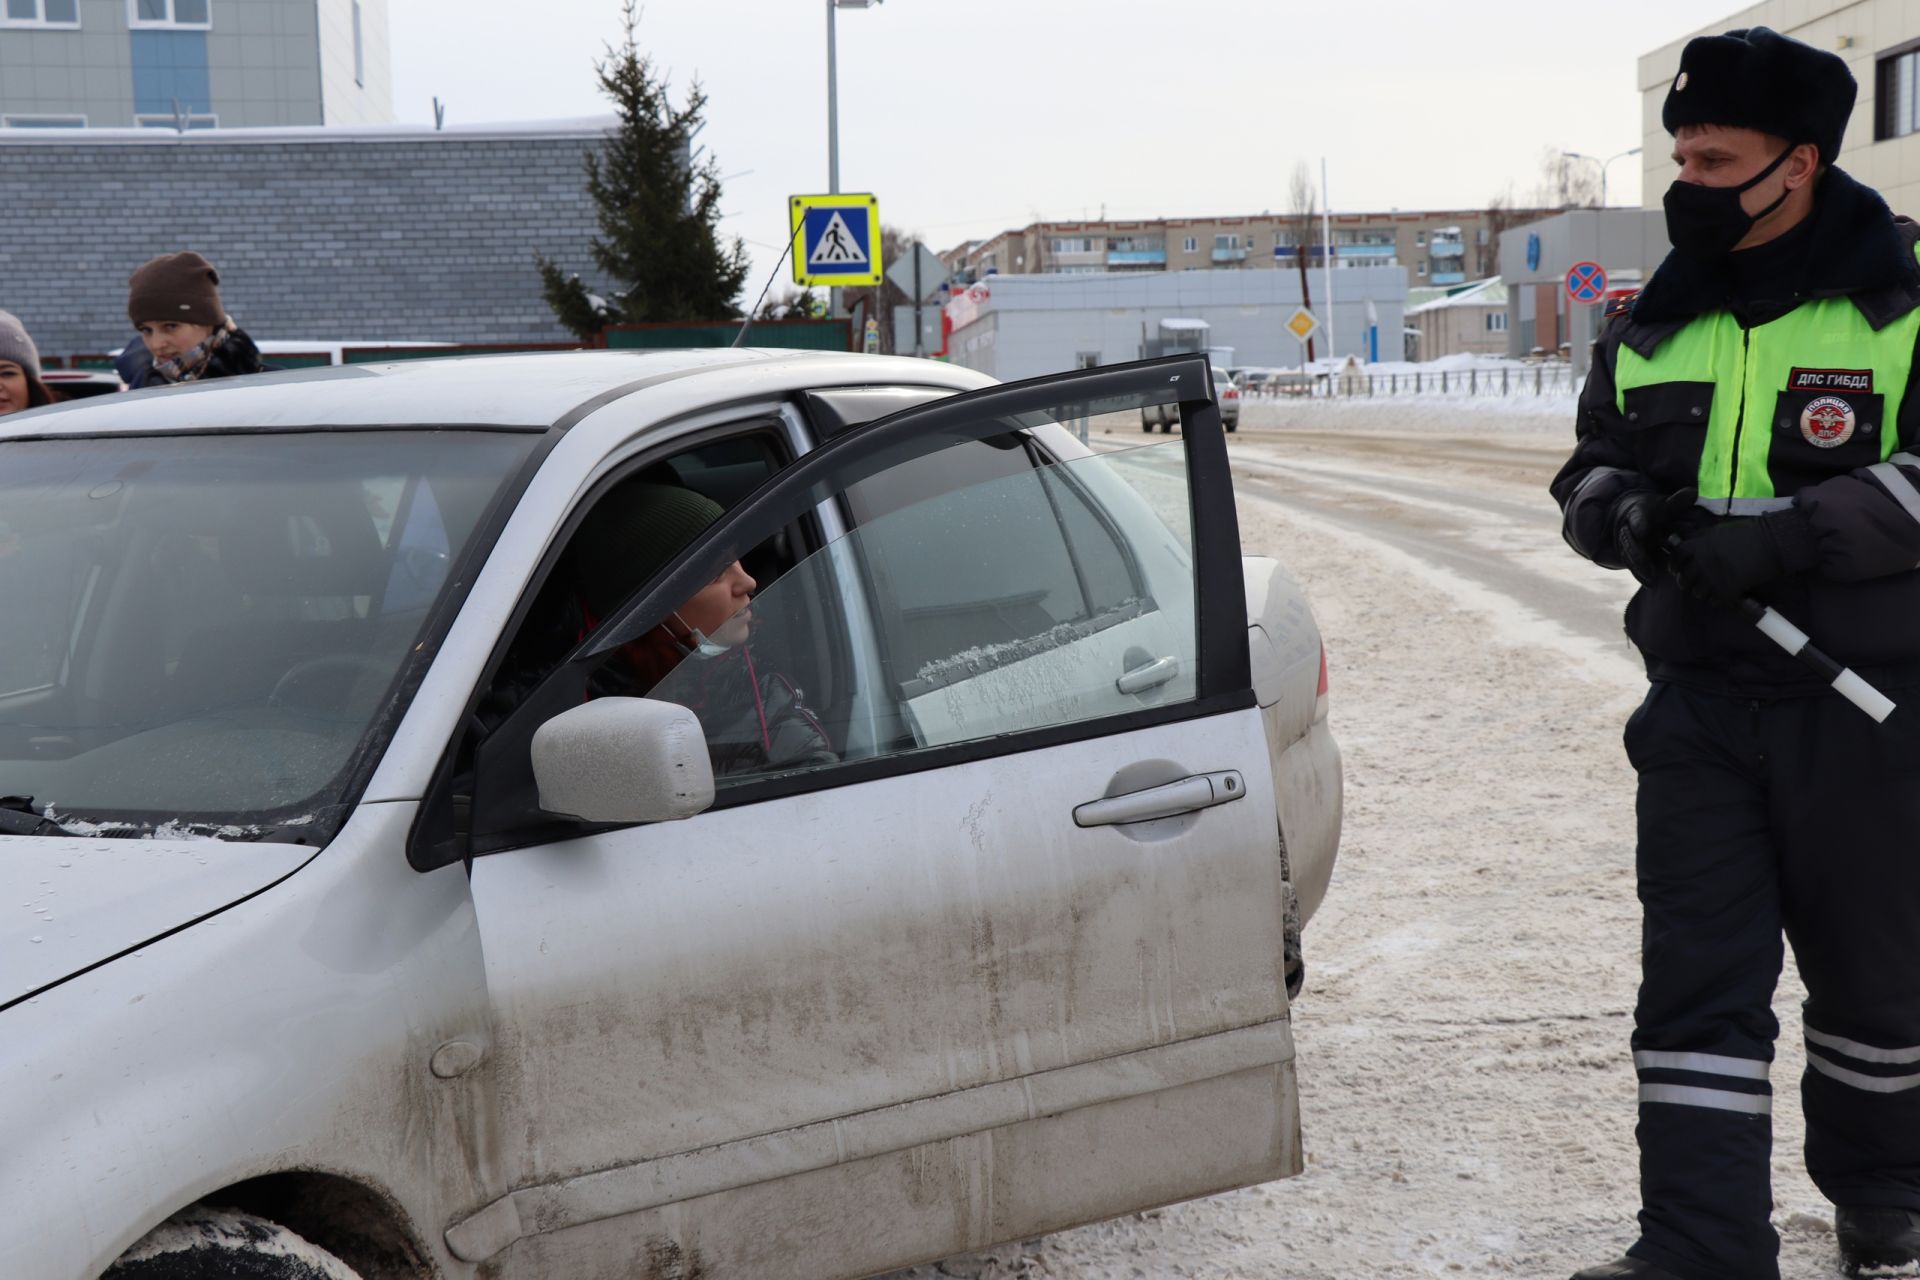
(1014, 326)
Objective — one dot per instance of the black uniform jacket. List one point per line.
(1861, 603)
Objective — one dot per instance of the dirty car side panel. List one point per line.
(755, 969)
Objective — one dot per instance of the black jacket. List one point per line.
(1862, 601)
(755, 719)
(231, 359)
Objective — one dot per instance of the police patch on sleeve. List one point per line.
(1827, 422)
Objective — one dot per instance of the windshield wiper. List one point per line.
(18, 817)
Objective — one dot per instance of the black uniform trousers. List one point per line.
(1758, 816)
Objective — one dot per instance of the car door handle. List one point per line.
(1201, 791)
(1142, 678)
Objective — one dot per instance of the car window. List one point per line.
(626, 532)
(985, 589)
(203, 630)
(52, 573)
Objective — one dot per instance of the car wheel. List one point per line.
(205, 1243)
(1234, 425)
(1146, 424)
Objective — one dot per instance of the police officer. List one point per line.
(1756, 402)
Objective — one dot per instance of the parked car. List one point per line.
(1227, 397)
(81, 384)
(363, 899)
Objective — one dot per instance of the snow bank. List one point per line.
(1428, 411)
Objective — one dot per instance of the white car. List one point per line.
(366, 916)
(1227, 394)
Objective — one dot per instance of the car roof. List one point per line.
(537, 389)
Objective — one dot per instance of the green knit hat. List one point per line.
(630, 535)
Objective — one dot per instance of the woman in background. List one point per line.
(20, 384)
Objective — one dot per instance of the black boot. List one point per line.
(1876, 1241)
(1626, 1269)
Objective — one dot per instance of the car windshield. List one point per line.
(202, 634)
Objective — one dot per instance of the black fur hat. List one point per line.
(1756, 78)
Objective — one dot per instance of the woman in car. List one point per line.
(20, 384)
(185, 332)
(701, 656)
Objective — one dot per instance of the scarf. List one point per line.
(190, 366)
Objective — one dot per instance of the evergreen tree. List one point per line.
(659, 214)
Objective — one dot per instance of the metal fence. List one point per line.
(1536, 380)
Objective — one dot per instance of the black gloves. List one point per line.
(1718, 561)
(1642, 520)
(1726, 562)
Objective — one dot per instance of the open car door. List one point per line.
(984, 943)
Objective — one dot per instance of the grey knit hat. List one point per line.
(631, 534)
(16, 346)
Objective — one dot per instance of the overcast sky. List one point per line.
(970, 116)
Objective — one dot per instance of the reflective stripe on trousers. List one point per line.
(1702, 1080)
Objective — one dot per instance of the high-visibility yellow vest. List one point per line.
(1774, 408)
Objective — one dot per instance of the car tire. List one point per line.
(1233, 426)
(207, 1243)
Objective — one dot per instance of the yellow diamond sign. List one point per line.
(1301, 324)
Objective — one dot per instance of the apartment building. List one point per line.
(1438, 247)
(1880, 40)
(193, 64)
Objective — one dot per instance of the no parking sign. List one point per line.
(1587, 282)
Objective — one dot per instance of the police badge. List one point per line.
(1827, 422)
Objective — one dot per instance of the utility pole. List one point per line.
(1326, 254)
(833, 116)
(833, 106)
(1300, 199)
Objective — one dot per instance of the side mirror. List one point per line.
(623, 760)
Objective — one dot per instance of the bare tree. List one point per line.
(1501, 216)
(1567, 182)
(1302, 200)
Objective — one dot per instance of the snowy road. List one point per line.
(1467, 1095)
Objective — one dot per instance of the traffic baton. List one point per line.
(1845, 681)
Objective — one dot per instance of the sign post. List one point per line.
(920, 275)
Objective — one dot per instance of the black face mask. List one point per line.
(1706, 222)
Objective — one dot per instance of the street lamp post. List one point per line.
(833, 113)
(1604, 166)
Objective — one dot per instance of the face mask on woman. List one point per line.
(698, 643)
(1707, 222)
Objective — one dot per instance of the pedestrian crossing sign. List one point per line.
(836, 240)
